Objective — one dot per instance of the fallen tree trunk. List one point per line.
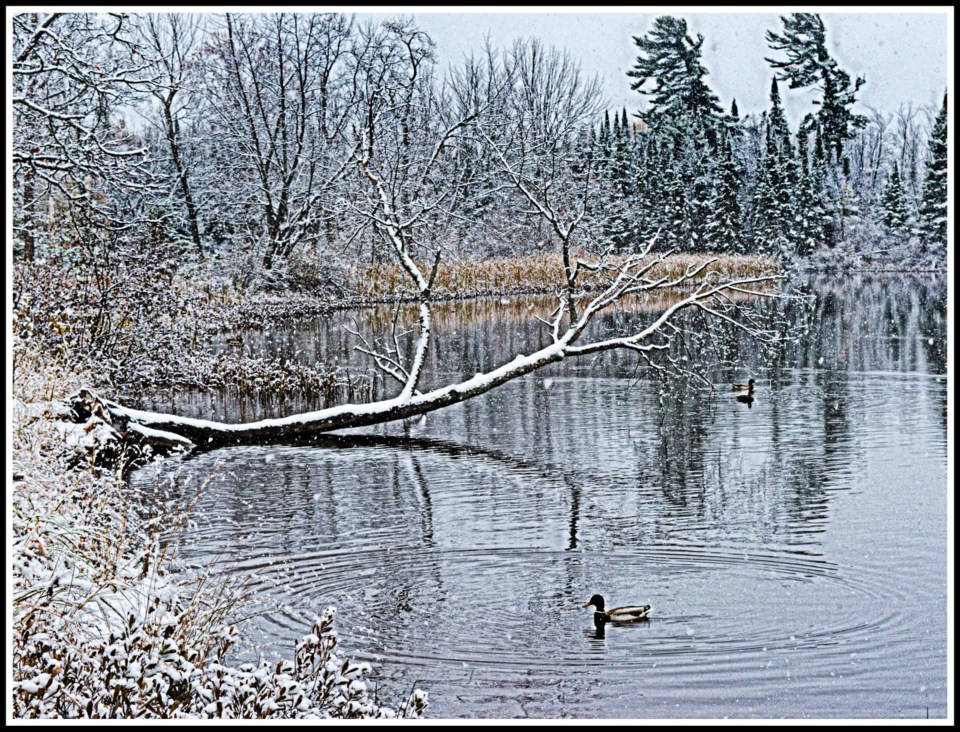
(212, 434)
(172, 430)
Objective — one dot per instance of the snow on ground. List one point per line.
(103, 629)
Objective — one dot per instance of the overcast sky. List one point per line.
(903, 55)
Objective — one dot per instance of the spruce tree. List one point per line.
(675, 229)
(825, 183)
(769, 232)
(649, 186)
(894, 212)
(933, 203)
(774, 191)
(723, 229)
(777, 119)
(620, 163)
(604, 142)
(807, 230)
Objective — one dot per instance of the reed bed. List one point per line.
(535, 273)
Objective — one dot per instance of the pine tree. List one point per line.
(734, 112)
(894, 212)
(933, 204)
(809, 64)
(671, 58)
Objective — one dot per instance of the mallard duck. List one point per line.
(748, 387)
(623, 614)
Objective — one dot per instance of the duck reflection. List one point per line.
(599, 631)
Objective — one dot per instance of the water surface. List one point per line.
(793, 549)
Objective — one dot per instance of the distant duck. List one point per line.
(236, 340)
(625, 614)
(748, 387)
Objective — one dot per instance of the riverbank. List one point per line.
(103, 625)
(148, 337)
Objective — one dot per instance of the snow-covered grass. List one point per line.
(534, 273)
(866, 247)
(103, 629)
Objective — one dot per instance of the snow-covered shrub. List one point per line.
(103, 629)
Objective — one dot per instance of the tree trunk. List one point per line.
(172, 139)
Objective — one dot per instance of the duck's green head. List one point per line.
(596, 601)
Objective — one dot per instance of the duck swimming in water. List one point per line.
(748, 387)
(625, 614)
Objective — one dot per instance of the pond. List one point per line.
(794, 550)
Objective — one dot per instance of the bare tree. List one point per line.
(71, 73)
(174, 39)
(548, 107)
(282, 92)
(910, 140)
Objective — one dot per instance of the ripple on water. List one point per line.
(775, 544)
(440, 607)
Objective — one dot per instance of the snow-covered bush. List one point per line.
(103, 629)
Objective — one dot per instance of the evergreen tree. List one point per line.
(826, 185)
(769, 236)
(605, 142)
(698, 166)
(779, 130)
(894, 212)
(777, 119)
(773, 195)
(933, 204)
(809, 64)
(671, 58)
(734, 112)
(649, 186)
(724, 227)
(675, 229)
(620, 163)
(808, 214)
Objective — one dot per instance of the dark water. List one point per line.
(794, 550)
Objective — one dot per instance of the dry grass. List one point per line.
(534, 273)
